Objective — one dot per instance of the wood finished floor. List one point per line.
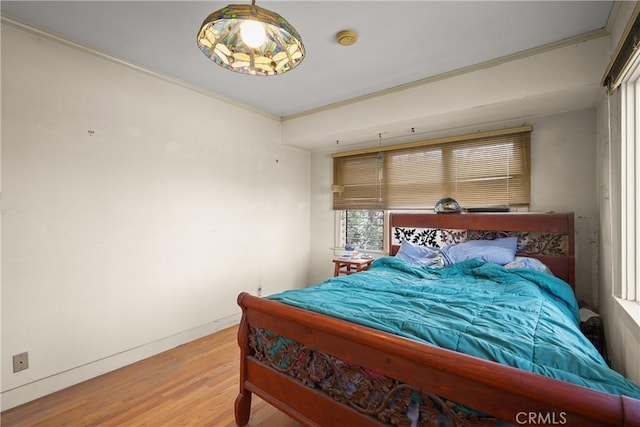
(191, 385)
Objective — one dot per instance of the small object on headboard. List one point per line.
(489, 209)
(447, 205)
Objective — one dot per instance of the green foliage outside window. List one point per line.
(365, 229)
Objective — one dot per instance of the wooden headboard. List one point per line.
(548, 237)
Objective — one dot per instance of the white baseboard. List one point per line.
(42, 387)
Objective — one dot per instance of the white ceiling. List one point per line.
(400, 41)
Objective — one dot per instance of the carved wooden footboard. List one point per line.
(506, 393)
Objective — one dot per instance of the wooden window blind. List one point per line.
(479, 170)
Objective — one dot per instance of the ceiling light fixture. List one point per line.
(250, 40)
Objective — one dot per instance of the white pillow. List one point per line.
(527, 262)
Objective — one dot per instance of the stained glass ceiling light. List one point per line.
(250, 40)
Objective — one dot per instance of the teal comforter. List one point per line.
(517, 317)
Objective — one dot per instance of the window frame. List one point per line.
(340, 232)
(629, 286)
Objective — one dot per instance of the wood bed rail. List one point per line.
(502, 391)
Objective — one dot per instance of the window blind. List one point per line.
(479, 170)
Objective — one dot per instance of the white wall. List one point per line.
(563, 158)
(322, 217)
(134, 211)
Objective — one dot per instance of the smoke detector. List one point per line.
(347, 37)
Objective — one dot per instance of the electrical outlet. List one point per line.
(20, 362)
(259, 291)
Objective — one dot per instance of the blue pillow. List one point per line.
(499, 251)
(418, 255)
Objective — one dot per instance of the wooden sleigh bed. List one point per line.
(451, 382)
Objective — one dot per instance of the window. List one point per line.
(629, 288)
(623, 74)
(478, 170)
(363, 228)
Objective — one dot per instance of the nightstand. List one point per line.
(343, 266)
